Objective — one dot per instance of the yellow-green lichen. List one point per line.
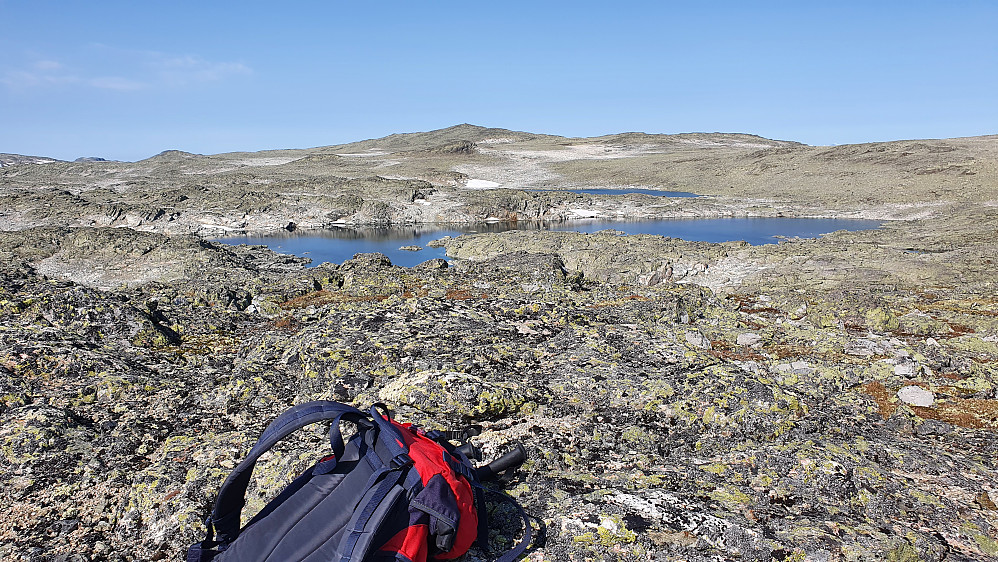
(731, 498)
(611, 532)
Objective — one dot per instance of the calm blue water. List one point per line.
(339, 244)
(603, 191)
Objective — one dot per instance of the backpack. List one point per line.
(392, 492)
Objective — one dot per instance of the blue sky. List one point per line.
(126, 80)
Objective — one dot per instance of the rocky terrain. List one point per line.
(829, 399)
(424, 177)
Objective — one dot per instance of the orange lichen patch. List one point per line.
(315, 298)
(978, 307)
(748, 304)
(360, 298)
(463, 295)
(761, 310)
(854, 329)
(973, 413)
(882, 397)
(765, 312)
(414, 291)
(957, 330)
(724, 350)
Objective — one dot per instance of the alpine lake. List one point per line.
(407, 245)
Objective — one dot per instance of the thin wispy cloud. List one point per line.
(25, 79)
(131, 70)
(116, 83)
(48, 65)
(192, 69)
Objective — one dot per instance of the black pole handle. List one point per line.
(510, 460)
(470, 451)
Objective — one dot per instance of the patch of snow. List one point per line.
(581, 152)
(362, 154)
(584, 214)
(481, 184)
(714, 143)
(264, 161)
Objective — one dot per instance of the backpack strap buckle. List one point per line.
(401, 460)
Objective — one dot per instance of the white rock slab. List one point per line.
(697, 339)
(916, 396)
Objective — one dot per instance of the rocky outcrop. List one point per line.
(608, 255)
(663, 421)
(456, 148)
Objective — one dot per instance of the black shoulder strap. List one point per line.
(528, 534)
(232, 496)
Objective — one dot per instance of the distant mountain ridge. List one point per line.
(437, 137)
(465, 138)
(7, 159)
(465, 132)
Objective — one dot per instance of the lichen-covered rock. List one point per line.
(436, 393)
(656, 429)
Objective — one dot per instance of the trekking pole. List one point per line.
(510, 460)
(470, 451)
